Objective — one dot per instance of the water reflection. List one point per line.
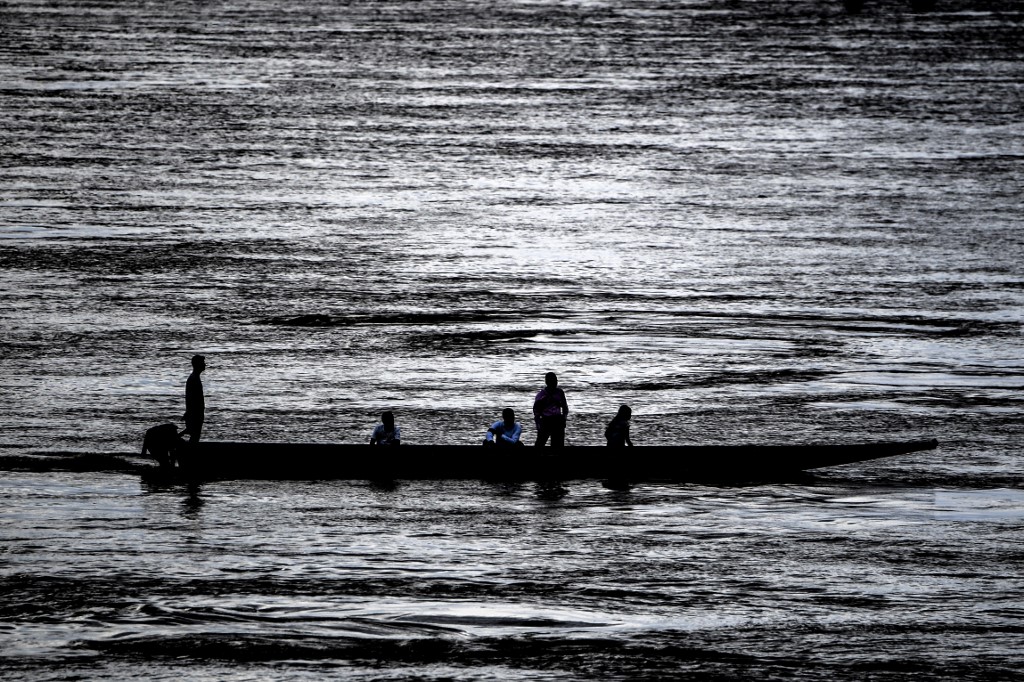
(192, 504)
(550, 490)
(507, 488)
(384, 485)
(617, 484)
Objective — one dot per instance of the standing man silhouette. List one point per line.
(195, 403)
(549, 412)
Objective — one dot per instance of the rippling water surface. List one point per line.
(754, 222)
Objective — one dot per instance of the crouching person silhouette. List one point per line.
(164, 444)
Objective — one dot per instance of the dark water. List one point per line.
(753, 221)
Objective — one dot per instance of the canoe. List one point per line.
(307, 461)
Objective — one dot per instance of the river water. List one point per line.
(770, 222)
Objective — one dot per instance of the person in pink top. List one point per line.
(549, 413)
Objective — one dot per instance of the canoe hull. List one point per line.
(304, 461)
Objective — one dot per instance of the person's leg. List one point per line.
(557, 432)
(194, 432)
(542, 432)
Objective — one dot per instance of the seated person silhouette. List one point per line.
(386, 433)
(617, 433)
(505, 432)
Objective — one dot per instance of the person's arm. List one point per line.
(398, 436)
(517, 429)
(538, 406)
(189, 393)
(565, 405)
(491, 431)
(628, 441)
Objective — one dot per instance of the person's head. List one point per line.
(509, 415)
(388, 419)
(550, 380)
(198, 363)
(625, 412)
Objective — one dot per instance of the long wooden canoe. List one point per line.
(273, 461)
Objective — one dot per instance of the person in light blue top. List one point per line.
(387, 432)
(505, 432)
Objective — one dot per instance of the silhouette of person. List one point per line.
(617, 433)
(386, 432)
(506, 431)
(195, 403)
(162, 442)
(549, 412)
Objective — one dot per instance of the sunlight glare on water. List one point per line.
(761, 222)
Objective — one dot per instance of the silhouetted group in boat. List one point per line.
(550, 410)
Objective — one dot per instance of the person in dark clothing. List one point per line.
(163, 443)
(195, 403)
(617, 433)
(549, 412)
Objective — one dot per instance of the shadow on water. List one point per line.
(506, 488)
(550, 490)
(617, 484)
(162, 483)
(193, 504)
(384, 485)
